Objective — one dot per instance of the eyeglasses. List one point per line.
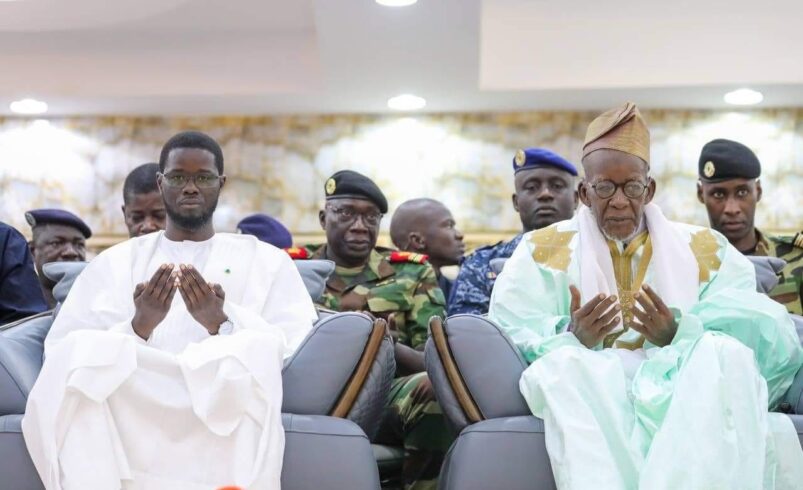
(349, 215)
(632, 189)
(201, 181)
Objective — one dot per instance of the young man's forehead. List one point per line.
(729, 184)
(182, 171)
(542, 173)
(180, 156)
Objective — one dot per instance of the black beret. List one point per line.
(350, 184)
(723, 159)
(37, 217)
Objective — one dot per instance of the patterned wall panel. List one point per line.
(278, 164)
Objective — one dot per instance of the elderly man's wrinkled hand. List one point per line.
(595, 319)
(655, 321)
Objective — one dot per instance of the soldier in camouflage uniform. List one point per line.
(400, 287)
(545, 194)
(730, 188)
(789, 291)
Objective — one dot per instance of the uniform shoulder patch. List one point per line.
(297, 253)
(795, 240)
(397, 257)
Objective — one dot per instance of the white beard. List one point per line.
(638, 229)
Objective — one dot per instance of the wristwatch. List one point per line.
(225, 328)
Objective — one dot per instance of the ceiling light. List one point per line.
(744, 96)
(396, 3)
(406, 102)
(28, 106)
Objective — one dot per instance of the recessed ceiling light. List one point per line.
(28, 106)
(744, 96)
(396, 3)
(406, 102)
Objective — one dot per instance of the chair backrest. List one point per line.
(363, 399)
(343, 368)
(315, 273)
(21, 351)
(475, 367)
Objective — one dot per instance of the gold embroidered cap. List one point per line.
(621, 129)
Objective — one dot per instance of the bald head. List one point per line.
(426, 226)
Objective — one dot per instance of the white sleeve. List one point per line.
(288, 308)
(96, 302)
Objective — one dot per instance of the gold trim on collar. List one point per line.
(627, 285)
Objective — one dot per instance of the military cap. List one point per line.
(541, 157)
(36, 217)
(350, 184)
(266, 229)
(723, 159)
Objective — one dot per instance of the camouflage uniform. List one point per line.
(789, 290)
(472, 288)
(401, 288)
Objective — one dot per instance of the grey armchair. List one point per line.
(334, 385)
(500, 443)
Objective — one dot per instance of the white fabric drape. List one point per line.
(673, 266)
(184, 410)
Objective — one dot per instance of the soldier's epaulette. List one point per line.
(397, 257)
(794, 240)
(297, 253)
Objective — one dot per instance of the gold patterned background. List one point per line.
(278, 165)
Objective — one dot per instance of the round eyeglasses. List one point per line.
(632, 188)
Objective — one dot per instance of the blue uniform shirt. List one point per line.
(471, 292)
(20, 294)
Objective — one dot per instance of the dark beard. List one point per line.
(191, 223)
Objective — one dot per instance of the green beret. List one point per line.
(348, 184)
(723, 159)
